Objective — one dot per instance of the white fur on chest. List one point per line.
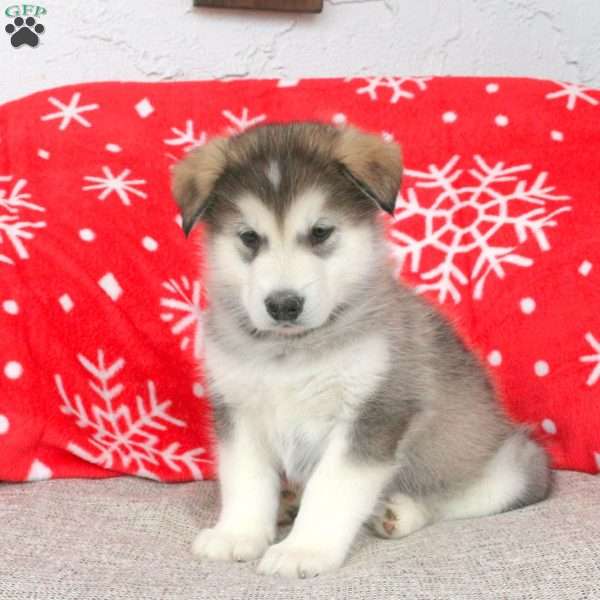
(294, 403)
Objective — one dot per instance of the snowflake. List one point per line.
(187, 138)
(398, 86)
(572, 92)
(592, 358)
(118, 184)
(461, 219)
(242, 122)
(120, 435)
(13, 229)
(69, 112)
(185, 299)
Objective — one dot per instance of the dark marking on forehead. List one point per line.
(306, 154)
(303, 154)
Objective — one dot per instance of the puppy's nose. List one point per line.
(284, 305)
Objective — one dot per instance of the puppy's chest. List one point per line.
(295, 404)
(297, 418)
(294, 415)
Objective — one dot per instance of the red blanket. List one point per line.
(498, 222)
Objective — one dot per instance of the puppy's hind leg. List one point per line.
(399, 515)
(289, 503)
(516, 476)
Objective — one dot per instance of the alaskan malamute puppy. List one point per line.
(322, 369)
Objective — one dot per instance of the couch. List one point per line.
(129, 539)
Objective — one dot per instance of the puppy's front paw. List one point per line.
(216, 544)
(295, 560)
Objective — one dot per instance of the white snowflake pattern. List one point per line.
(592, 358)
(69, 112)
(399, 87)
(463, 217)
(122, 436)
(572, 92)
(115, 183)
(186, 138)
(185, 312)
(14, 230)
(243, 122)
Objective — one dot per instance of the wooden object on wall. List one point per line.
(313, 6)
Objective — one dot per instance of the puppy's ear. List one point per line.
(193, 180)
(374, 165)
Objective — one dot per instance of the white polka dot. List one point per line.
(149, 243)
(541, 368)
(549, 426)
(144, 108)
(339, 119)
(114, 148)
(557, 136)
(4, 424)
(87, 235)
(11, 307)
(66, 303)
(495, 358)
(43, 154)
(449, 117)
(110, 285)
(13, 369)
(585, 267)
(38, 471)
(501, 120)
(492, 88)
(527, 305)
(179, 220)
(198, 390)
(387, 136)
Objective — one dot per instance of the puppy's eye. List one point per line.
(320, 234)
(250, 239)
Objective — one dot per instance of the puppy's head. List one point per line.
(290, 214)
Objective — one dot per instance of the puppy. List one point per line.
(322, 368)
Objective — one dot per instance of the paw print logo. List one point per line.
(24, 31)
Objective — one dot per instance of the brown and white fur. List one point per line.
(323, 369)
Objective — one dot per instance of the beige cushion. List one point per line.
(128, 539)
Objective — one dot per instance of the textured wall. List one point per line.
(167, 40)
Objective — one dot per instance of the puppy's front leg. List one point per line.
(339, 497)
(249, 496)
